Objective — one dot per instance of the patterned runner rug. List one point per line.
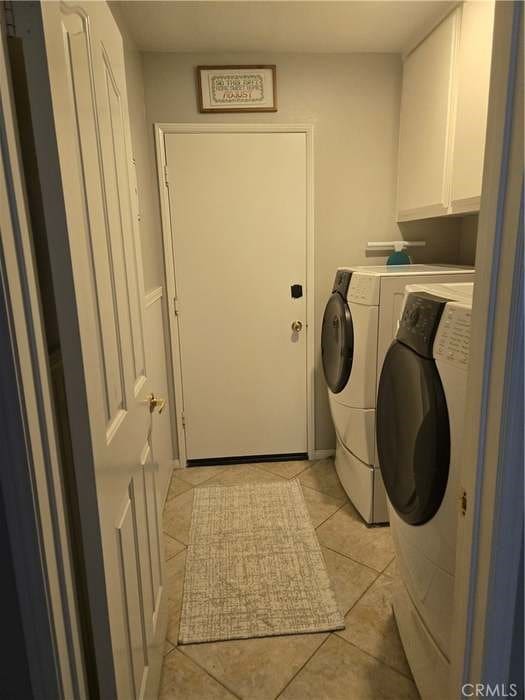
(254, 566)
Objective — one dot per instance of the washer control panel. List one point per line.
(364, 289)
(420, 321)
(452, 342)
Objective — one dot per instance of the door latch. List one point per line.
(463, 502)
(156, 403)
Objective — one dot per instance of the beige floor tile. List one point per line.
(175, 569)
(392, 569)
(340, 671)
(197, 475)
(346, 533)
(171, 546)
(168, 646)
(177, 486)
(322, 476)
(349, 579)
(174, 613)
(370, 625)
(184, 680)
(285, 469)
(256, 669)
(240, 474)
(320, 506)
(177, 516)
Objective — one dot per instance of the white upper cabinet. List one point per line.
(443, 115)
(472, 103)
(425, 128)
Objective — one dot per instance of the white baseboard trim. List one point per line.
(321, 454)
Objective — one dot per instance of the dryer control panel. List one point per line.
(364, 289)
(452, 342)
(420, 321)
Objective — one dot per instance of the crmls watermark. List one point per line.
(489, 690)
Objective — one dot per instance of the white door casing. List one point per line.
(31, 479)
(237, 216)
(90, 118)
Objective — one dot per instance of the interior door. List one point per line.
(90, 113)
(238, 213)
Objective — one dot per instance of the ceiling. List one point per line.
(314, 26)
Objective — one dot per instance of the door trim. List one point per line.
(162, 130)
(490, 534)
(32, 494)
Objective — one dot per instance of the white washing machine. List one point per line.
(359, 324)
(420, 413)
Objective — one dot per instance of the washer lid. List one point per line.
(337, 343)
(413, 434)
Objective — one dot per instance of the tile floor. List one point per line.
(363, 662)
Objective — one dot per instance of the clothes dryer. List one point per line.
(420, 414)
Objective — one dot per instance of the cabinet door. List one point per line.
(425, 128)
(471, 117)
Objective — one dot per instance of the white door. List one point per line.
(90, 112)
(238, 206)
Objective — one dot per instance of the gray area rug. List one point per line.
(254, 567)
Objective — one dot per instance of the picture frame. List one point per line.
(237, 88)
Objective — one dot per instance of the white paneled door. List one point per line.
(87, 77)
(238, 208)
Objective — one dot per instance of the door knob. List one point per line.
(297, 326)
(156, 402)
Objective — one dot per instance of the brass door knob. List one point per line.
(156, 403)
(297, 326)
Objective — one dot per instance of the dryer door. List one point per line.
(413, 434)
(337, 343)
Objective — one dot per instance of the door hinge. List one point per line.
(9, 13)
(176, 306)
(183, 420)
(463, 502)
(166, 176)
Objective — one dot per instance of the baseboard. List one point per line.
(321, 454)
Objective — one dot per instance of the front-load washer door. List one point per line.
(337, 343)
(413, 434)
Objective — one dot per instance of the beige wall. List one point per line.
(353, 102)
(141, 135)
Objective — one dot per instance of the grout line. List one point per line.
(328, 518)
(383, 663)
(347, 556)
(341, 501)
(193, 486)
(288, 478)
(181, 650)
(347, 501)
(255, 466)
(182, 481)
(363, 593)
(303, 665)
(386, 567)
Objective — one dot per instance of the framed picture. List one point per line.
(237, 88)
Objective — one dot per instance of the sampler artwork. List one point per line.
(237, 88)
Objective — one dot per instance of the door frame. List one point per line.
(33, 493)
(489, 557)
(162, 130)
